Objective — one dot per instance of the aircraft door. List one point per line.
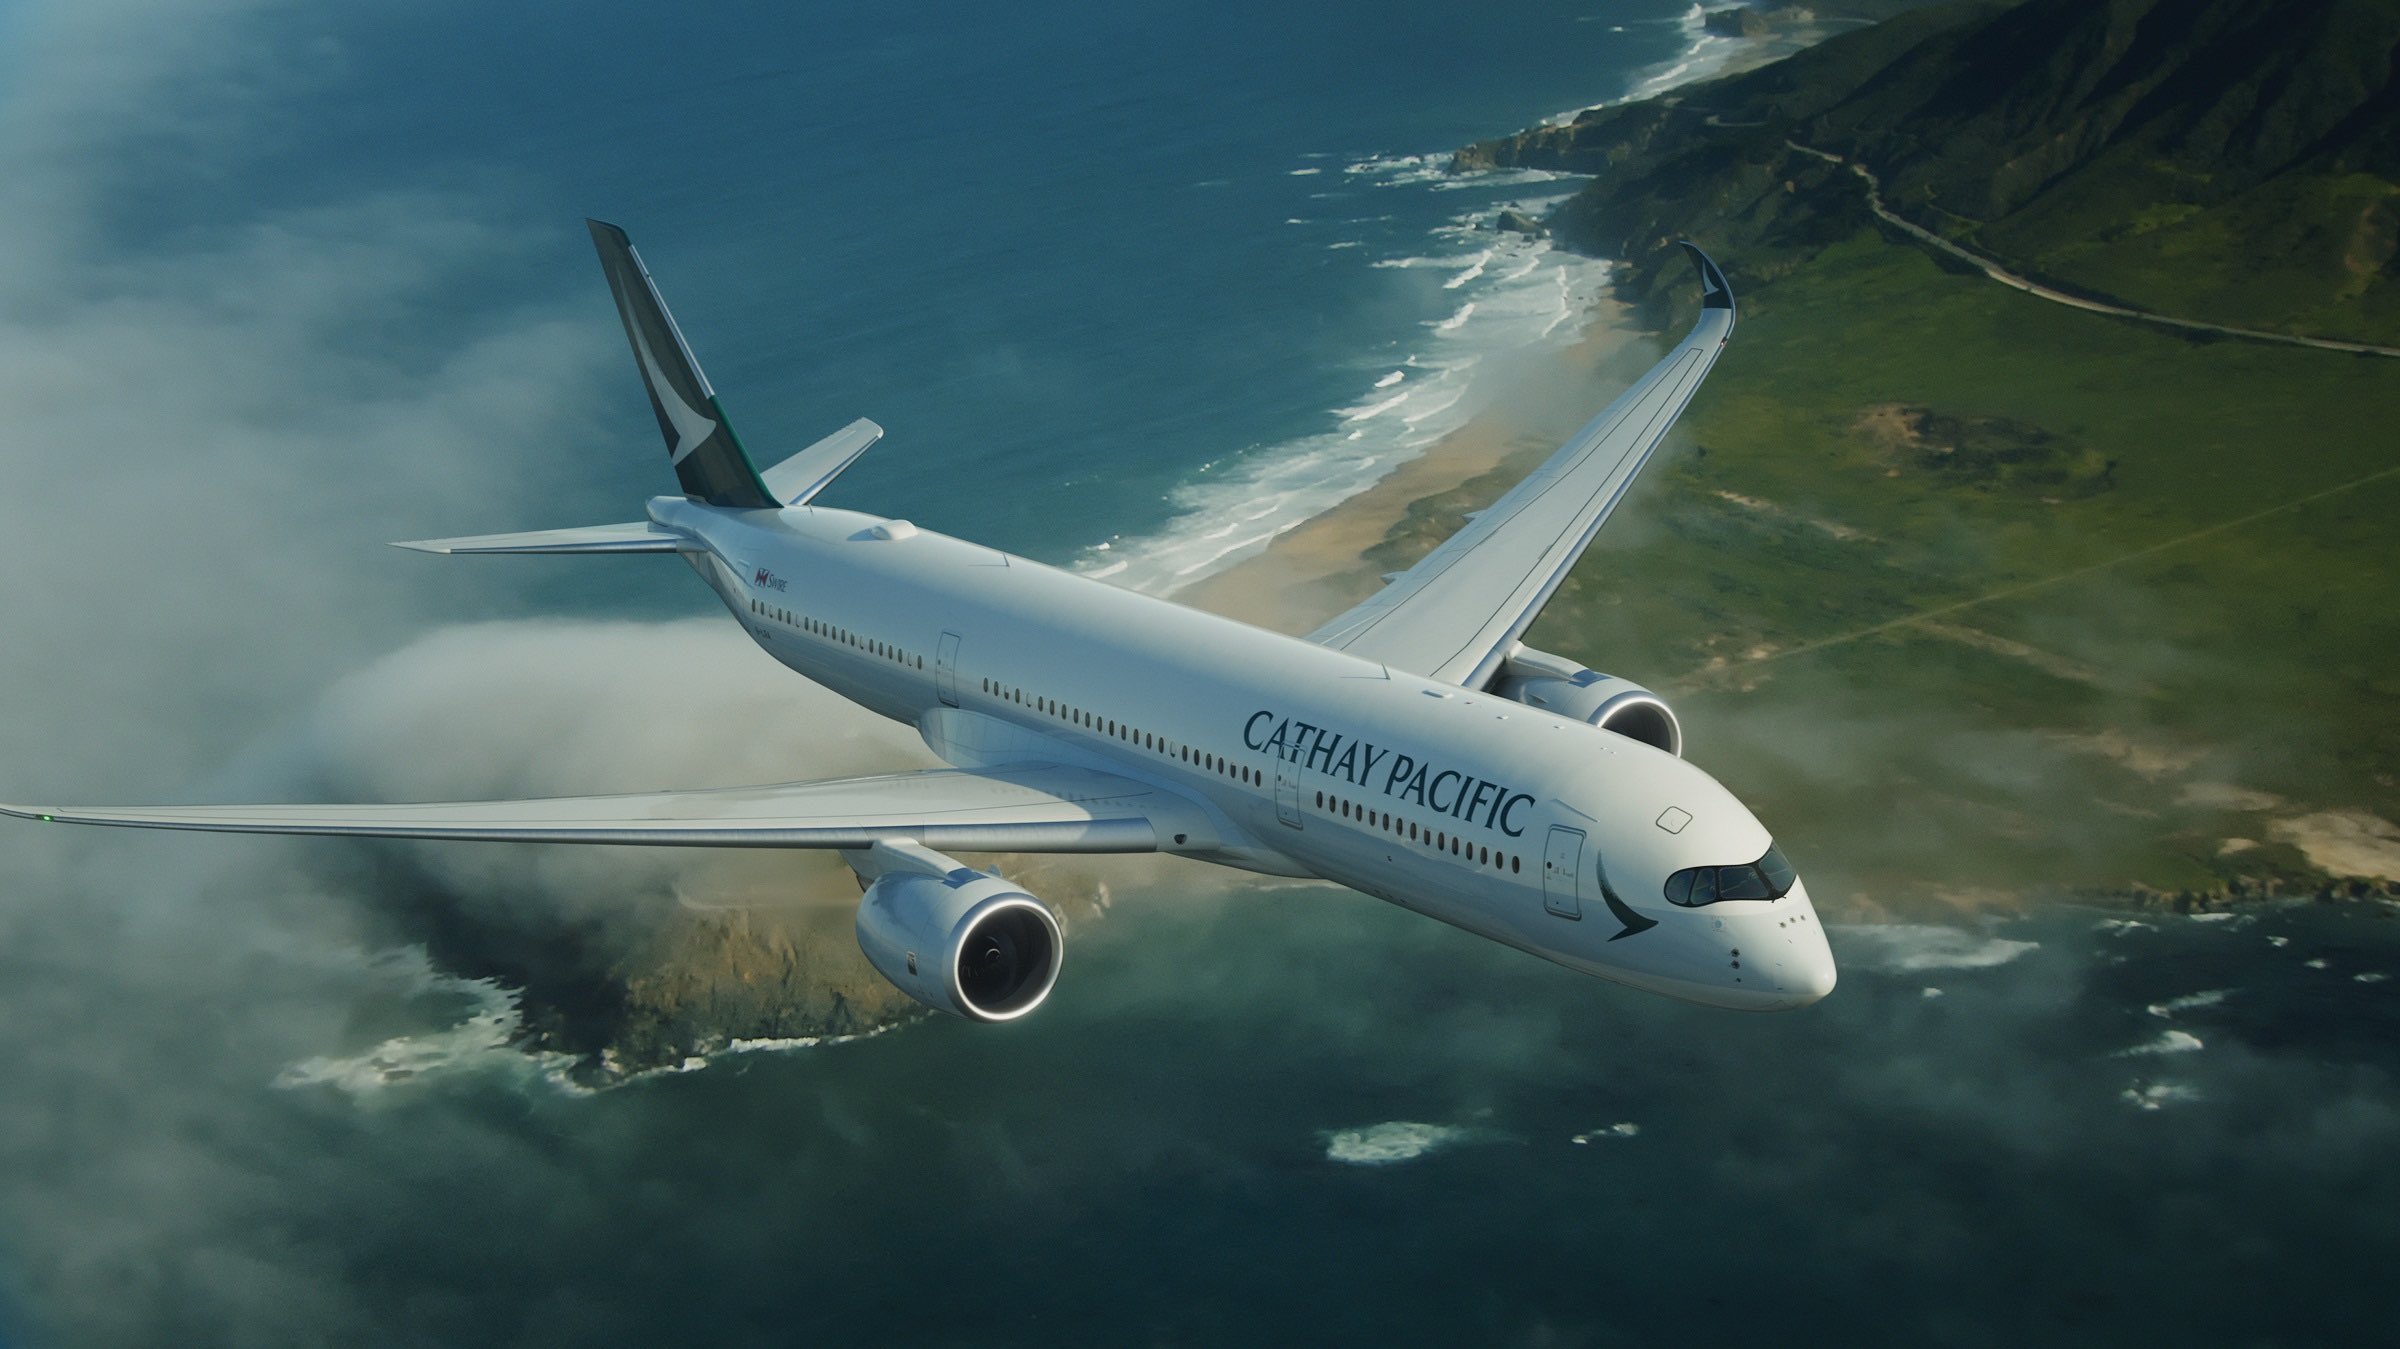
(1561, 864)
(945, 670)
(1287, 794)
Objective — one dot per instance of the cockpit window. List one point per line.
(1741, 883)
(1770, 877)
(1778, 870)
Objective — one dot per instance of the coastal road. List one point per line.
(2008, 278)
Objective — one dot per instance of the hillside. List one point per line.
(2213, 159)
(1988, 597)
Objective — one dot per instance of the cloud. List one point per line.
(204, 456)
(210, 434)
(557, 708)
(220, 406)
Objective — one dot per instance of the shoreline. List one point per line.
(1324, 564)
(1320, 566)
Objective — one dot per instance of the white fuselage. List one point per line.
(1297, 760)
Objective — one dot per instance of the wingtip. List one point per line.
(420, 545)
(1714, 292)
(602, 230)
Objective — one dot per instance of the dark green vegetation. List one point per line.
(1967, 591)
(1764, 20)
(2150, 673)
(2220, 160)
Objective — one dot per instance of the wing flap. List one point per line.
(1454, 615)
(1036, 809)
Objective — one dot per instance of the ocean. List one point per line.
(1131, 287)
(1148, 280)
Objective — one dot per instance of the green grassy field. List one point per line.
(2147, 656)
(2305, 253)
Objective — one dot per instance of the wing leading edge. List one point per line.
(1455, 615)
(1042, 808)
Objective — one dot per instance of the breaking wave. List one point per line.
(1389, 1143)
(1507, 295)
(1906, 948)
(2168, 1042)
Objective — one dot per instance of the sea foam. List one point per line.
(2172, 1006)
(2156, 1095)
(2168, 1042)
(481, 1041)
(1236, 506)
(1508, 295)
(1907, 948)
(1389, 1143)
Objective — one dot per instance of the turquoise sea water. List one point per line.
(1111, 274)
(1068, 256)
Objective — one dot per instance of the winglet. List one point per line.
(1714, 293)
(707, 456)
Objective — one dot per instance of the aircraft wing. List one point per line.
(1040, 808)
(1455, 615)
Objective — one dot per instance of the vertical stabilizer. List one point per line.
(708, 458)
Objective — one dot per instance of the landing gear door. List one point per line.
(1287, 795)
(1561, 864)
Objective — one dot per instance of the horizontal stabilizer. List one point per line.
(638, 536)
(805, 474)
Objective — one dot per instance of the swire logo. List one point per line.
(767, 580)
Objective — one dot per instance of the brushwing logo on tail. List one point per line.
(690, 427)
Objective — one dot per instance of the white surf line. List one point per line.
(2005, 277)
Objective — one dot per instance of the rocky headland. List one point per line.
(2212, 157)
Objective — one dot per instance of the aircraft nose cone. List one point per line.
(1804, 968)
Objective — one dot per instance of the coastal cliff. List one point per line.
(745, 950)
(2053, 436)
(2220, 159)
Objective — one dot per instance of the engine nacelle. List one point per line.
(958, 940)
(1556, 684)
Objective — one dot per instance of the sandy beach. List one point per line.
(1321, 566)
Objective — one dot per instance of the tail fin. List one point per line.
(708, 458)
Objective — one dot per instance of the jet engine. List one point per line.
(958, 940)
(1556, 684)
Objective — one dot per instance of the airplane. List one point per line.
(1412, 748)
